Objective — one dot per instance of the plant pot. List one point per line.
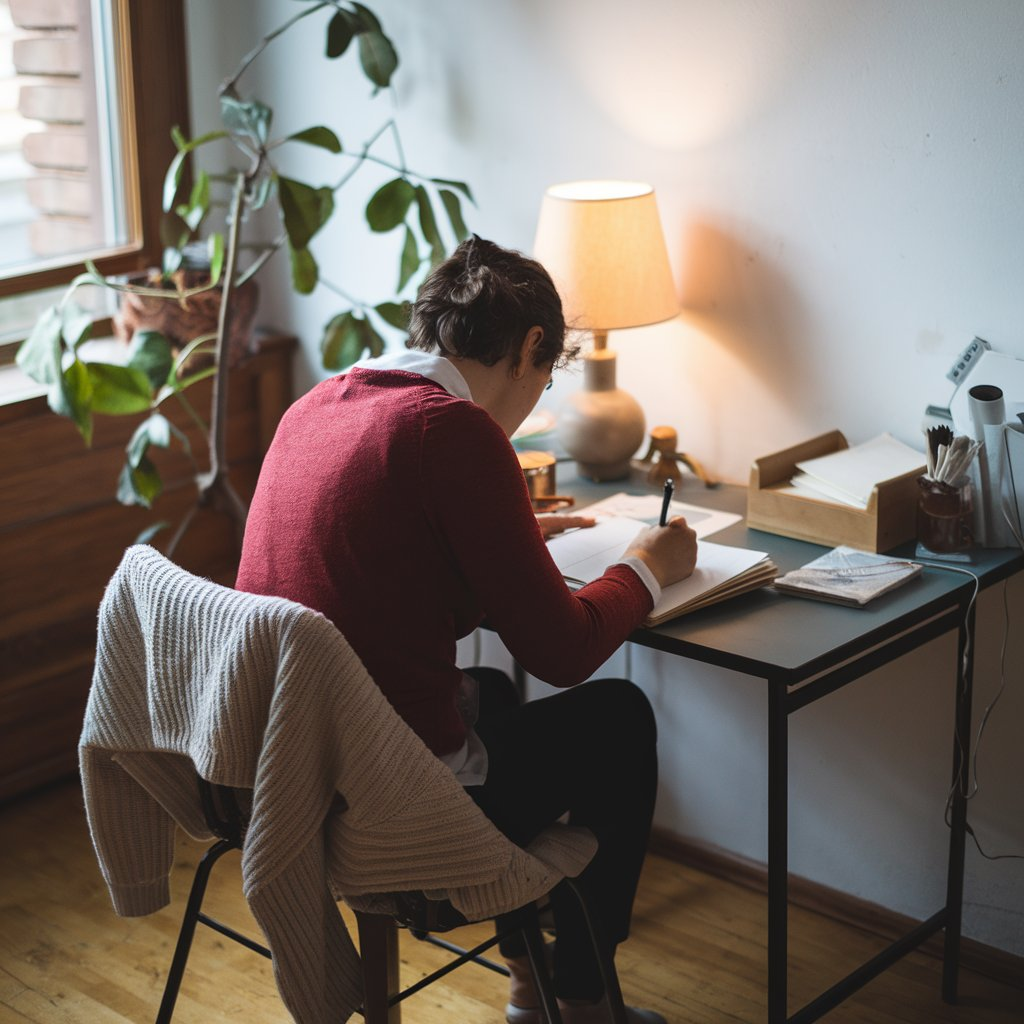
(181, 321)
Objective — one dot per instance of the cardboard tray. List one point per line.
(889, 519)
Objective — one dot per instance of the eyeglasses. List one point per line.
(551, 380)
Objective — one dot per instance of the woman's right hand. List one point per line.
(669, 551)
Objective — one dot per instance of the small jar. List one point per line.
(944, 514)
(539, 470)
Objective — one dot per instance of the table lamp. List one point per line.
(602, 244)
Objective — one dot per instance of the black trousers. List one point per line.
(589, 751)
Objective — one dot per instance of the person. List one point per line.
(392, 501)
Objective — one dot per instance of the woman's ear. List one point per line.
(527, 352)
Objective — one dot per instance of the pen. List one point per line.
(669, 485)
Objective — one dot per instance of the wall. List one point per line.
(840, 185)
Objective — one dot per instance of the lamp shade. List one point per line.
(602, 244)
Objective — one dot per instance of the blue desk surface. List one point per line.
(777, 636)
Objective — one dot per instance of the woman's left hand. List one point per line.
(554, 524)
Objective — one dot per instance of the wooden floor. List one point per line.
(696, 954)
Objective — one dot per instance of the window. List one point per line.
(89, 90)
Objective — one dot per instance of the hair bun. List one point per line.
(471, 284)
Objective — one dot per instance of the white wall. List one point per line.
(841, 187)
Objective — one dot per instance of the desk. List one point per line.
(805, 650)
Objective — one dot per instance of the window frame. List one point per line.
(152, 61)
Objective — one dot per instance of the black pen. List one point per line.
(669, 485)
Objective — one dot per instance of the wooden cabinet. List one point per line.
(62, 534)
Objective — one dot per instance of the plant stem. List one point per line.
(260, 260)
(218, 460)
(191, 410)
(340, 291)
(229, 83)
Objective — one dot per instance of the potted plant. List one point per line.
(191, 309)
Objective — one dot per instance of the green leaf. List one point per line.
(305, 210)
(428, 225)
(340, 30)
(139, 485)
(343, 342)
(178, 137)
(453, 208)
(250, 119)
(172, 259)
(198, 204)
(389, 205)
(76, 398)
(174, 231)
(366, 20)
(215, 248)
(150, 352)
(459, 186)
(372, 341)
(410, 260)
(305, 272)
(318, 136)
(394, 313)
(378, 57)
(76, 324)
(119, 389)
(172, 180)
(156, 429)
(262, 191)
(39, 355)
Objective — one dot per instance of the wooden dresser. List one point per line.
(62, 534)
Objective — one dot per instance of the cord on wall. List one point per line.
(968, 781)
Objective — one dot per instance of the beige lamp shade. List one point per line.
(602, 244)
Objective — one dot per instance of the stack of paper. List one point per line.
(583, 555)
(848, 476)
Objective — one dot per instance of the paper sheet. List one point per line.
(853, 472)
(647, 508)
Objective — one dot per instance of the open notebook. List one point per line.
(583, 555)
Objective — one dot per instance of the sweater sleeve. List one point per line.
(133, 836)
(475, 489)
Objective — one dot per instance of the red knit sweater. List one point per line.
(400, 512)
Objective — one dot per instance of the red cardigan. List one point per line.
(400, 512)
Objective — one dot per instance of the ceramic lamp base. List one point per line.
(602, 426)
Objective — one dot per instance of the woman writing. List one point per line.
(391, 495)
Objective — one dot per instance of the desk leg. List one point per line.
(958, 824)
(778, 850)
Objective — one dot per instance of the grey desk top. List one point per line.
(777, 636)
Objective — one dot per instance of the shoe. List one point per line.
(588, 1013)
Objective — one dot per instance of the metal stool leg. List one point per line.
(530, 928)
(188, 928)
(612, 990)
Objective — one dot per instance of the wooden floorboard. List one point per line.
(696, 953)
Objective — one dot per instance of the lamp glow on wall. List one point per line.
(602, 244)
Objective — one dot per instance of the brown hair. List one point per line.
(481, 302)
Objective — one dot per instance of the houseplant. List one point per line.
(161, 368)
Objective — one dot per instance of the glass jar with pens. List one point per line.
(945, 504)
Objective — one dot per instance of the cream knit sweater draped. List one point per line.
(266, 695)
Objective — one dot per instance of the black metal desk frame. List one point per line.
(920, 616)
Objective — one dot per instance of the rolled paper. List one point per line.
(987, 407)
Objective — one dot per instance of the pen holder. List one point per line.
(944, 515)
